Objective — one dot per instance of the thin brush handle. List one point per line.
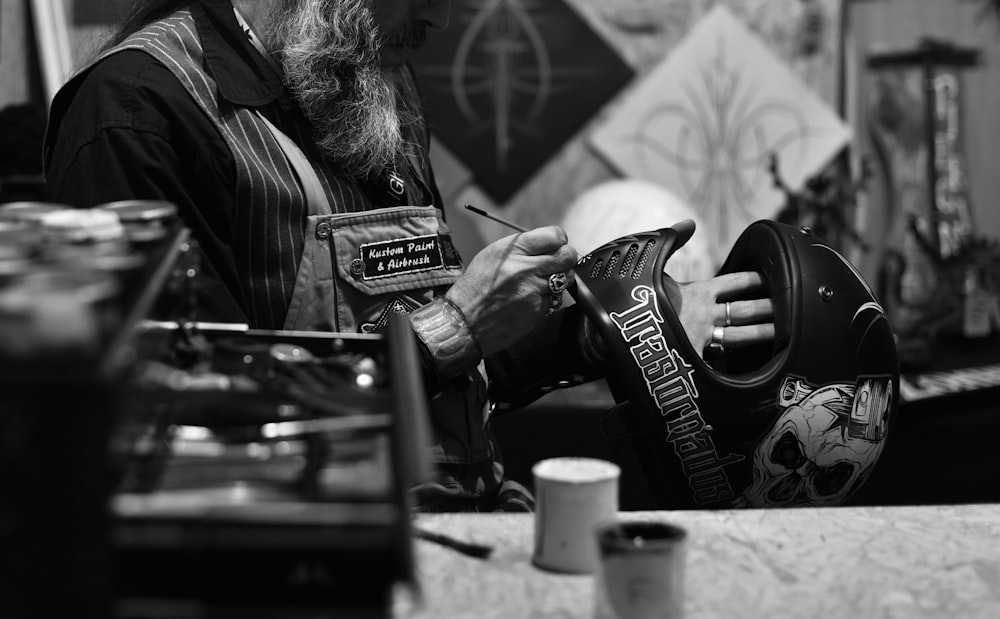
(509, 224)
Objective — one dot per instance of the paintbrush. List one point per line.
(509, 224)
(514, 226)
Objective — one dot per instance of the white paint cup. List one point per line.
(641, 570)
(572, 496)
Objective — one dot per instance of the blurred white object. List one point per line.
(616, 208)
(573, 495)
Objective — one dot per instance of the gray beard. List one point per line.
(329, 50)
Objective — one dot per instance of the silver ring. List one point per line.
(717, 345)
(554, 304)
(719, 336)
(558, 283)
(729, 316)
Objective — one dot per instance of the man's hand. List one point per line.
(701, 310)
(702, 305)
(504, 292)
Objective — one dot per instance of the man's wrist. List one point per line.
(443, 329)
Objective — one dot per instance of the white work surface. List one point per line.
(886, 562)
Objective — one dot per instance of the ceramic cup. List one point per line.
(641, 570)
(572, 496)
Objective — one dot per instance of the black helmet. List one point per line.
(798, 421)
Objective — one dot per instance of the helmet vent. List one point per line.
(609, 272)
(629, 260)
(643, 258)
(595, 271)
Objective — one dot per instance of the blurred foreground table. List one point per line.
(893, 562)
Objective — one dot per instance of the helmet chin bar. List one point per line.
(801, 422)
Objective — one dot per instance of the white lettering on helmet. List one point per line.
(668, 379)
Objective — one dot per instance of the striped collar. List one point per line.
(243, 76)
(255, 40)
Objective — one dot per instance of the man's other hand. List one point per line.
(706, 306)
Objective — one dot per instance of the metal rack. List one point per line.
(193, 539)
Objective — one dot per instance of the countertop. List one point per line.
(899, 561)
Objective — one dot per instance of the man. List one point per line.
(290, 135)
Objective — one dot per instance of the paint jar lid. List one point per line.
(30, 212)
(145, 221)
(131, 211)
(81, 226)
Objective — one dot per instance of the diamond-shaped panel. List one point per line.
(705, 122)
(510, 81)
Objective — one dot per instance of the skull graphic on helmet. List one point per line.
(822, 446)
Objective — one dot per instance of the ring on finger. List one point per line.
(557, 285)
(717, 345)
(719, 336)
(555, 302)
(729, 315)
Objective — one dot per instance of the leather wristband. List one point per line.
(442, 327)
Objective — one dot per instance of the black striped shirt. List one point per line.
(129, 129)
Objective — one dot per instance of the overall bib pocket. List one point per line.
(395, 260)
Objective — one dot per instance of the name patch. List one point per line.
(399, 256)
(668, 380)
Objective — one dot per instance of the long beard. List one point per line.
(330, 53)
